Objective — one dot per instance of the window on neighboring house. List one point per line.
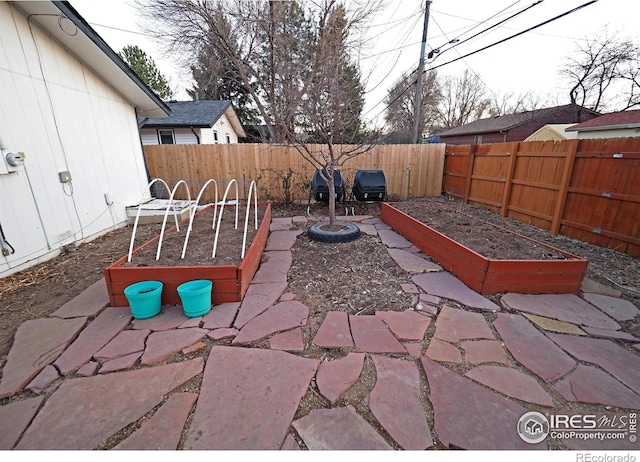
(166, 137)
(228, 138)
(215, 137)
(477, 139)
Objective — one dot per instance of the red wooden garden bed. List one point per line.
(230, 282)
(488, 275)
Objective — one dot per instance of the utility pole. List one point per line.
(418, 99)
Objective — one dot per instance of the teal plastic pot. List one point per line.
(196, 297)
(144, 298)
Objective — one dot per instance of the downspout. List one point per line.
(144, 159)
(504, 135)
(195, 134)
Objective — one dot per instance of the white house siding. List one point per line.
(223, 127)
(64, 118)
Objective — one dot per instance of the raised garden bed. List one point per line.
(230, 280)
(551, 271)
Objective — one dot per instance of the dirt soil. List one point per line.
(476, 234)
(357, 277)
(201, 240)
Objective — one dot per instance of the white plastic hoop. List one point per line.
(224, 200)
(164, 221)
(252, 187)
(193, 213)
(135, 223)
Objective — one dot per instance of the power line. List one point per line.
(515, 35)
(479, 50)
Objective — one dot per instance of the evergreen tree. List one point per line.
(145, 67)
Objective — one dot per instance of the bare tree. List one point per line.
(604, 75)
(400, 103)
(463, 100)
(266, 42)
(329, 111)
(293, 60)
(511, 103)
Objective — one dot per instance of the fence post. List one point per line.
(513, 154)
(467, 189)
(561, 200)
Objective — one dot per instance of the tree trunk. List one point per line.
(332, 195)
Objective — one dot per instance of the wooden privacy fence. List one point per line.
(585, 189)
(282, 174)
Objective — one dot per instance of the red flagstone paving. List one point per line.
(395, 403)
(413, 348)
(14, 419)
(261, 394)
(290, 340)
(611, 334)
(426, 309)
(117, 364)
(617, 308)
(221, 315)
(405, 325)
(88, 303)
(591, 286)
(368, 229)
(371, 335)
(617, 361)
(469, 416)
(161, 345)
(446, 285)
(46, 377)
(83, 412)
(281, 240)
(412, 263)
(409, 288)
(225, 332)
(484, 351)
(163, 430)
(334, 331)
(586, 384)
(278, 318)
(531, 348)
(251, 404)
(338, 429)
(454, 325)
(125, 343)
(280, 223)
(170, 317)
(565, 307)
(290, 444)
(336, 376)
(372, 221)
(274, 267)
(511, 382)
(37, 343)
(89, 369)
(443, 351)
(257, 299)
(392, 239)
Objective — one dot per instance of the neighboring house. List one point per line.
(194, 122)
(514, 127)
(68, 125)
(552, 132)
(615, 125)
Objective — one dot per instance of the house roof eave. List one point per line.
(90, 49)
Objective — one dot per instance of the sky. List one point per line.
(530, 62)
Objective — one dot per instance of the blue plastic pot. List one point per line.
(144, 298)
(196, 297)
